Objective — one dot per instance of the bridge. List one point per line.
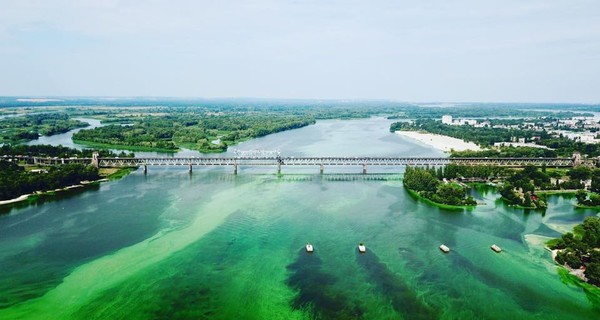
(321, 162)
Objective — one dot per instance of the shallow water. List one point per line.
(170, 245)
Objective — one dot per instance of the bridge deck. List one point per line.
(308, 161)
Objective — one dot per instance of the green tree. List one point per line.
(581, 196)
(580, 173)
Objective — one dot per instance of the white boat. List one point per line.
(496, 248)
(309, 248)
(444, 248)
(362, 248)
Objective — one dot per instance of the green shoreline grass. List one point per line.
(120, 173)
(436, 204)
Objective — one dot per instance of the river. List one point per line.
(170, 245)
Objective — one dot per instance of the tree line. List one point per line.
(45, 150)
(16, 181)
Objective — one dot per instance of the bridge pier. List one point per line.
(190, 168)
(145, 169)
(278, 168)
(95, 160)
(321, 169)
(235, 169)
(364, 169)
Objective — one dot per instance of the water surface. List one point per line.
(170, 245)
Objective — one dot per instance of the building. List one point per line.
(447, 119)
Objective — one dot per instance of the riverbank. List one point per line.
(109, 174)
(440, 142)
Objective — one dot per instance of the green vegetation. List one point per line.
(581, 248)
(212, 132)
(43, 150)
(16, 181)
(115, 173)
(425, 183)
(506, 152)
(30, 127)
(487, 135)
(519, 189)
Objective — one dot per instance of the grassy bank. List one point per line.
(115, 173)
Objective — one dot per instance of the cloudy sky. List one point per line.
(421, 50)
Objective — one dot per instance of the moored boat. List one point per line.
(309, 247)
(362, 248)
(496, 248)
(444, 248)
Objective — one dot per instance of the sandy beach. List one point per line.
(440, 142)
(21, 198)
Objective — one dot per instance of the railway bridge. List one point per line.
(321, 162)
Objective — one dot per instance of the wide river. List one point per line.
(173, 245)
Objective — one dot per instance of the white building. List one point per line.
(447, 119)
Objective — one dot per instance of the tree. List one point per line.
(580, 173)
(595, 187)
(581, 196)
(591, 235)
(592, 273)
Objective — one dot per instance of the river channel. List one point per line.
(211, 245)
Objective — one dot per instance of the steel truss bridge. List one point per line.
(321, 162)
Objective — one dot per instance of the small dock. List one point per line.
(496, 248)
(444, 248)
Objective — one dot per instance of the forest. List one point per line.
(204, 132)
(30, 127)
(16, 181)
(581, 248)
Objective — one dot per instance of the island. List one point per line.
(423, 183)
(30, 126)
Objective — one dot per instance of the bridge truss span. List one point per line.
(336, 161)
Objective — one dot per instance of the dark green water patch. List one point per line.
(316, 294)
(403, 299)
(527, 298)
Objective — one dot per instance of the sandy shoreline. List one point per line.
(26, 196)
(440, 142)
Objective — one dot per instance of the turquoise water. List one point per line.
(170, 245)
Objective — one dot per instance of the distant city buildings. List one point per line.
(447, 119)
(580, 129)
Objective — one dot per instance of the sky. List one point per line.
(421, 50)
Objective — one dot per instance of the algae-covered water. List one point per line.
(210, 245)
